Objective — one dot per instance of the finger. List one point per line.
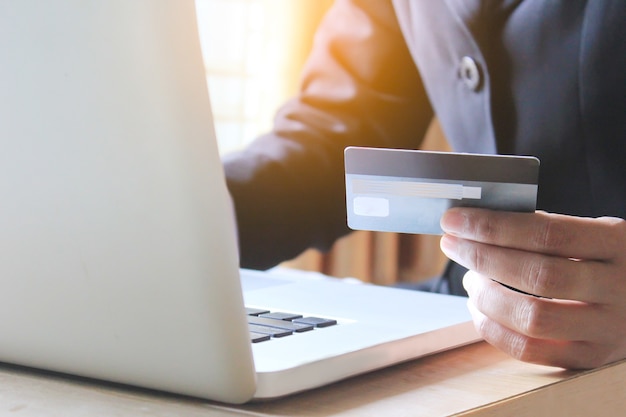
(565, 354)
(535, 317)
(568, 236)
(538, 274)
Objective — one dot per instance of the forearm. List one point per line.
(359, 87)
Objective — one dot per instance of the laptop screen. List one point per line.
(118, 239)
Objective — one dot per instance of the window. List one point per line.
(253, 51)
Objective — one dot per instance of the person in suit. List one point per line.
(530, 77)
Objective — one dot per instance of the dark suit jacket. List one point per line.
(532, 77)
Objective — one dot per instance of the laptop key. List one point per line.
(259, 337)
(271, 331)
(316, 321)
(265, 324)
(255, 311)
(281, 324)
(277, 315)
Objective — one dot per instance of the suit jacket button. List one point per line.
(470, 73)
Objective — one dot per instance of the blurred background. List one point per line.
(253, 53)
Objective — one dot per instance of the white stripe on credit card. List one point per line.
(416, 189)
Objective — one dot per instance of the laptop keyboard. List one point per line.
(265, 324)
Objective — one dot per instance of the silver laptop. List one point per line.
(119, 256)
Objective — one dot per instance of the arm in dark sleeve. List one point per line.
(359, 87)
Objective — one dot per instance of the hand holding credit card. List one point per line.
(407, 191)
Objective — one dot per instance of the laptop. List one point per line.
(118, 239)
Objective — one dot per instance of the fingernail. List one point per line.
(452, 221)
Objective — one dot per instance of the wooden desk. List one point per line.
(475, 380)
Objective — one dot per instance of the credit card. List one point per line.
(407, 191)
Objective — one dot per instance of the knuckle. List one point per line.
(544, 277)
(526, 349)
(535, 319)
(524, 352)
(477, 257)
(486, 228)
(520, 348)
(551, 235)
